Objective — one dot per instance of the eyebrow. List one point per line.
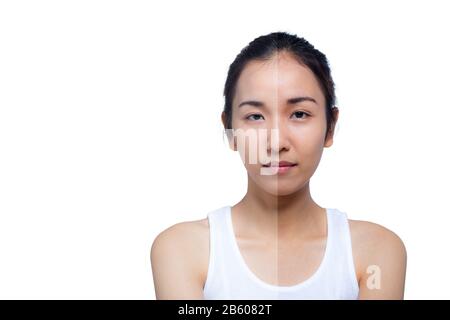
(291, 101)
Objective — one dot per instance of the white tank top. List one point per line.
(229, 277)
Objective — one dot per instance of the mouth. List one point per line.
(280, 164)
(279, 167)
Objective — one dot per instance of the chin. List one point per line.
(281, 189)
(281, 192)
(279, 186)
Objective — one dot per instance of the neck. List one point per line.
(285, 215)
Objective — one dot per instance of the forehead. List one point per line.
(278, 79)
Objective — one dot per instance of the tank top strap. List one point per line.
(220, 256)
(341, 252)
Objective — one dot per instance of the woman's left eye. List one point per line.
(301, 114)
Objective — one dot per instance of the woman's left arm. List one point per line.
(384, 265)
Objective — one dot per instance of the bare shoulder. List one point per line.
(376, 247)
(374, 235)
(178, 258)
(182, 235)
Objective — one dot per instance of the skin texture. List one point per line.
(277, 224)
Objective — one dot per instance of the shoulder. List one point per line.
(377, 248)
(376, 237)
(182, 238)
(179, 259)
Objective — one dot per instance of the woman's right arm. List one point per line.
(175, 266)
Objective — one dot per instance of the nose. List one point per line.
(278, 138)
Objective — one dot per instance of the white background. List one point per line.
(110, 131)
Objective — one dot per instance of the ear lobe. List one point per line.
(330, 133)
(234, 147)
(329, 141)
(223, 118)
(329, 138)
(232, 144)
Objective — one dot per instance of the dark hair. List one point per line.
(263, 48)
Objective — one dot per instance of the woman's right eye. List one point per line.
(257, 115)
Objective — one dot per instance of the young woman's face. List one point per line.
(294, 129)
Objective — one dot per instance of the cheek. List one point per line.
(309, 156)
(252, 147)
(308, 143)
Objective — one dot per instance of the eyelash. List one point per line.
(257, 114)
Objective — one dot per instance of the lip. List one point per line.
(280, 164)
(278, 169)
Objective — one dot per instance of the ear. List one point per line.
(330, 133)
(231, 142)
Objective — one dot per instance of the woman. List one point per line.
(277, 242)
